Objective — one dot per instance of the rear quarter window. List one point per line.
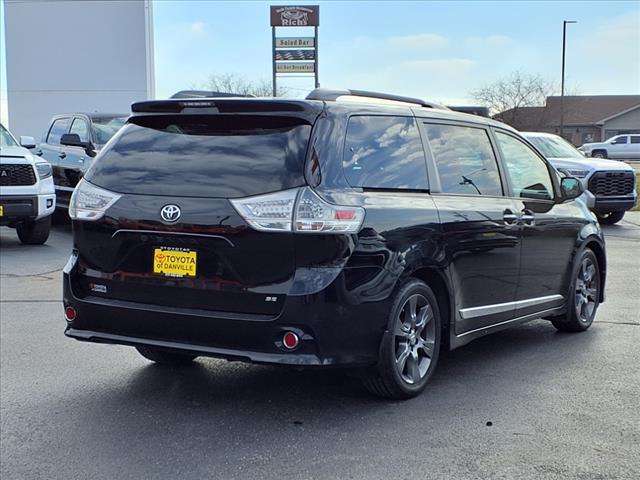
(204, 156)
(384, 152)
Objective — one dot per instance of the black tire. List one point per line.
(584, 288)
(34, 232)
(166, 356)
(599, 154)
(610, 218)
(388, 379)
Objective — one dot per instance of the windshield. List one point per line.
(555, 147)
(106, 127)
(6, 140)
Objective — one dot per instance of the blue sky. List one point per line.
(439, 50)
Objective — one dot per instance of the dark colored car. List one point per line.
(324, 233)
(70, 145)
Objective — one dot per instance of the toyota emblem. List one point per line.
(170, 213)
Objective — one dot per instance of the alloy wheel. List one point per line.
(414, 339)
(586, 294)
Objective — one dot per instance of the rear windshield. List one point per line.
(204, 156)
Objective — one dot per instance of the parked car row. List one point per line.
(323, 233)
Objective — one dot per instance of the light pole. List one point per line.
(564, 45)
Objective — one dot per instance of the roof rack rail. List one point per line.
(329, 95)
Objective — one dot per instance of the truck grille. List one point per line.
(608, 184)
(12, 175)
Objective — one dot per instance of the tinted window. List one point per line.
(59, 127)
(6, 140)
(619, 140)
(384, 152)
(635, 138)
(79, 127)
(528, 173)
(465, 160)
(106, 127)
(204, 156)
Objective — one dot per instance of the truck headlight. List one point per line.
(44, 170)
(89, 202)
(577, 173)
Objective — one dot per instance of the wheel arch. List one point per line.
(437, 281)
(598, 249)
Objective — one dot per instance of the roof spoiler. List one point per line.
(329, 95)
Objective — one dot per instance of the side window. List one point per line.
(528, 173)
(59, 127)
(635, 138)
(619, 140)
(465, 160)
(79, 127)
(384, 152)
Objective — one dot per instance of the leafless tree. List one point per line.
(508, 95)
(235, 83)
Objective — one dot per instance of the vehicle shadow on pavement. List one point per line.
(526, 354)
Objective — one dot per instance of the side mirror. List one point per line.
(73, 140)
(27, 142)
(571, 188)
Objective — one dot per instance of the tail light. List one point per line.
(298, 210)
(89, 202)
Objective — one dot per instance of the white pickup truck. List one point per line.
(618, 147)
(27, 196)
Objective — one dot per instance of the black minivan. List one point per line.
(324, 232)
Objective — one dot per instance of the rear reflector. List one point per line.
(70, 314)
(290, 340)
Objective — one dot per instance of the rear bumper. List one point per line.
(332, 330)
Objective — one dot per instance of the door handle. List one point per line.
(528, 218)
(62, 155)
(509, 217)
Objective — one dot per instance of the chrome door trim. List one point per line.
(506, 323)
(474, 312)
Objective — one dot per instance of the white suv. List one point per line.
(27, 195)
(620, 146)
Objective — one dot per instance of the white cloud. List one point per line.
(491, 41)
(439, 80)
(198, 28)
(421, 40)
(610, 52)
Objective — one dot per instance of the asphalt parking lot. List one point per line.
(524, 403)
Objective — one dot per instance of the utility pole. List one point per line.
(564, 46)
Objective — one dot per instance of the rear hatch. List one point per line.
(196, 159)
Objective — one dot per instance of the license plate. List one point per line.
(175, 262)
